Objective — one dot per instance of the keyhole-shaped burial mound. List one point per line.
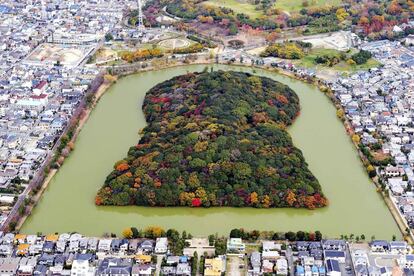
(215, 139)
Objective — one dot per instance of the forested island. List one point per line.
(215, 139)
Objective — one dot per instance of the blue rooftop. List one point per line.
(4, 9)
(300, 269)
(183, 259)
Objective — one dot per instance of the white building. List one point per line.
(281, 267)
(161, 246)
(82, 268)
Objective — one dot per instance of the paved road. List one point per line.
(289, 257)
(234, 269)
(348, 263)
(158, 266)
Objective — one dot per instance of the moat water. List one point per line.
(68, 203)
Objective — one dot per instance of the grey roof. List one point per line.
(84, 257)
(115, 266)
(361, 269)
(332, 265)
(316, 253)
(255, 259)
(381, 243)
(333, 242)
(303, 254)
(334, 254)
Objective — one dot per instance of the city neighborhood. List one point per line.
(46, 79)
(75, 254)
(44, 49)
(378, 105)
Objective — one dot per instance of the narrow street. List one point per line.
(158, 265)
(235, 266)
(289, 257)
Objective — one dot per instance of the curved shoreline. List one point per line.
(105, 86)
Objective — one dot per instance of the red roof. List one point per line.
(41, 96)
(41, 84)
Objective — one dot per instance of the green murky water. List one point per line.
(68, 203)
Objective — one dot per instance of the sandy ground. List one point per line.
(339, 41)
(105, 53)
(256, 51)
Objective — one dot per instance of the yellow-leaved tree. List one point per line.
(127, 233)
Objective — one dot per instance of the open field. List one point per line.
(174, 43)
(296, 5)
(50, 54)
(309, 62)
(103, 55)
(252, 247)
(239, 6)
(341, 41)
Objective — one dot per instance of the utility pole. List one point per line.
(141, 27)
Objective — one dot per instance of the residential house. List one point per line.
(183, 269)
(333, 268)
(147, 246)
(9, 266)
(104, 245)
(335, 255)
(141, 270)
(399, 247)
(334, 245)
(213, 267)
(255, 261)
(161, 245)
(114, 266)
(270, 250)
(281, 266)
(379, 246)
(235, 245)
(82, 268)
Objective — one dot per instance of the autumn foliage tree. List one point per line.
(290, 50)
(127, 233)
(140, 55)
(154, 232)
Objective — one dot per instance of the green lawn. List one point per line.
(296, 5)
(309, 59)
(371, 63)
(242, 6)
(250, 248)
(236, 6)
(309, 62)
